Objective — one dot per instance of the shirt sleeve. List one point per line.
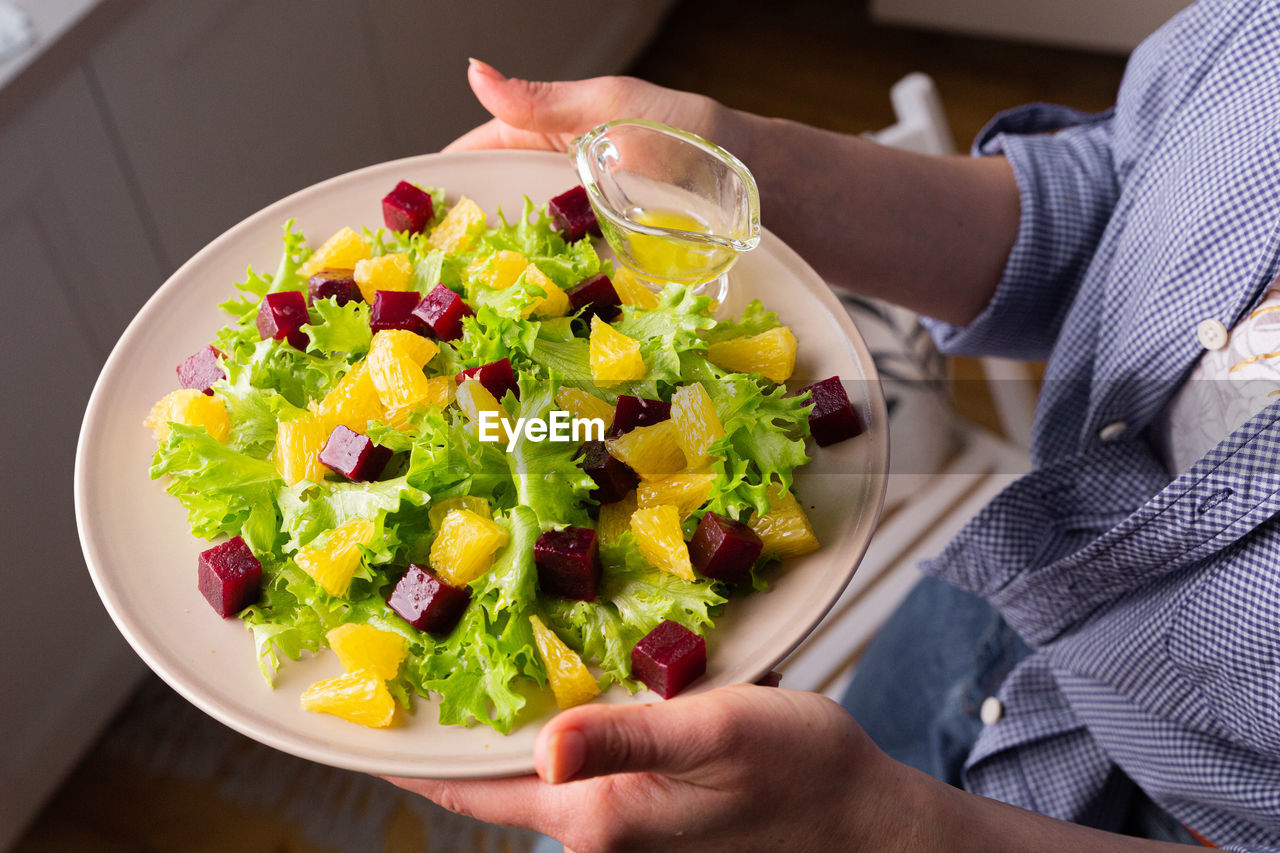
(1062, 161)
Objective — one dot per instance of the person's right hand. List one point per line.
(530, 114)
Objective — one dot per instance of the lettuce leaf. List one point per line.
(339, 328)
(475, 668)
(547, 477)
(224, 491)
(286, 277)
(765, 430)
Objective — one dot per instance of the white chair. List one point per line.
(942, 471)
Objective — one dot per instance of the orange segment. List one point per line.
(464, 546)
(190, 407)
(615, 518)
(499, 270)
(554, 304)
(386, 272)
(571, 681)
(474, 399)
(785, 530)
(396, 374)
(658, 535)
(360, 646)
(333, 558)
(632, 291)
(360, 697)
(650, 451)
(438, 511)
(342, 251)
(582, 404)
(771, 354)
(614, 356)
(686, 492)
(418, 348)
(353, 402)
(697, 424)
(297, 450)
(459, 229)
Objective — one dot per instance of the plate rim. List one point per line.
(327, 752)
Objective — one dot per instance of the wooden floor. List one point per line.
(818, 62)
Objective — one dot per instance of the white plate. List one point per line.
(143, 559)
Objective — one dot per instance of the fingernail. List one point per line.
(568, 754)
(486, 69)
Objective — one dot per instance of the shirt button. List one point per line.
(992, 710)
(1212, 334)
(1112, 431)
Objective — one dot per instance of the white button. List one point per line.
(1212, 334)
(1112, 431)
(992, 710)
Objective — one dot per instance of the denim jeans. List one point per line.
(919, 687)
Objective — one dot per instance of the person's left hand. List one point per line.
(734, 769)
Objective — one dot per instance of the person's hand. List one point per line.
(530, 114)
(735, 769)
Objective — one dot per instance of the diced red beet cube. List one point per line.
(597, 296)
(230, 577)
(833, 417)
(283, 315)
(724, 549)
(407, 208)
(497, 377)
(393, 309)
(613, 478)
(442, 310)
(353, 455)
(338, 285)
(572, 215)
(632, 412)
(200, 370)
(669, 658)
(428, 603)
(568, 563)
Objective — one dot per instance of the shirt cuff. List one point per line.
(1062, 163)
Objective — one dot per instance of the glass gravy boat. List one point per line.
(672, 206)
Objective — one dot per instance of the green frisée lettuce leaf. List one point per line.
(338, 328)
(548, 479)
(764, 437)
(645, 596)
(670, 332)
(224, 491)
(286, 277)
(308, 509)
(533, 235)
(755, 320)
(474, 669)
(281, 622)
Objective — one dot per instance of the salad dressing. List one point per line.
(671, 257)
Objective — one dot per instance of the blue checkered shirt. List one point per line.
(1153, 605)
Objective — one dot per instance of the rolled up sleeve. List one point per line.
(1062, 161)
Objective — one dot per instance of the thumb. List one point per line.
(555, 107)
(672, 738)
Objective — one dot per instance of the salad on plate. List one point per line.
(477, 462)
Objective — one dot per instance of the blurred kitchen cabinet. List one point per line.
(77, 264)
(222, 108)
